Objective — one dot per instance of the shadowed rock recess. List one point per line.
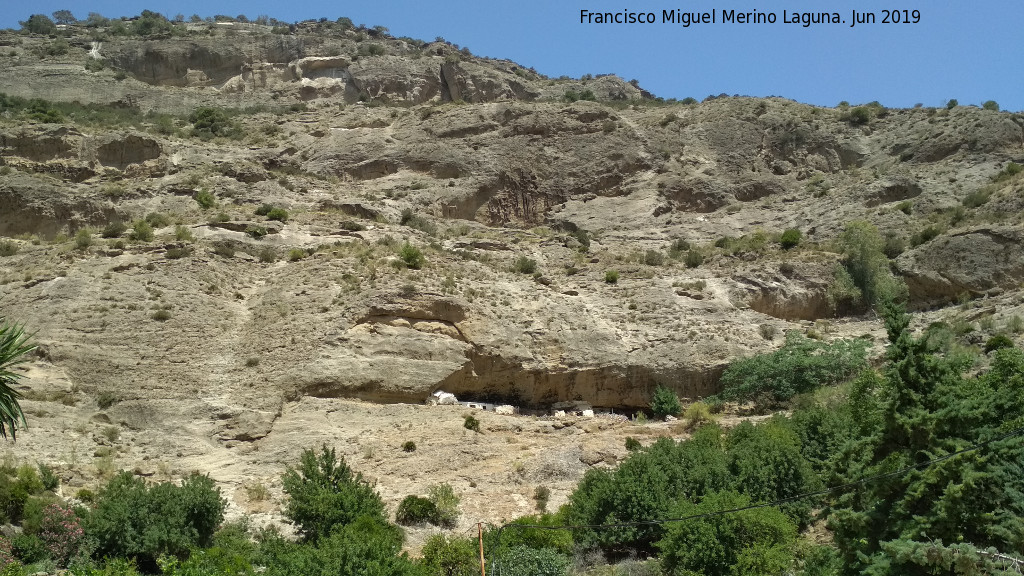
(339, 214)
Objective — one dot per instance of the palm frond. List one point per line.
(14, 349)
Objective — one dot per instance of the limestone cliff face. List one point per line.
(372, 141)
(168, 63)
(453, 223)
(973, 262)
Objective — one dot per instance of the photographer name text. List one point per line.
(724, 16)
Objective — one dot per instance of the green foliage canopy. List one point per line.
(800, 366)
(323, 492)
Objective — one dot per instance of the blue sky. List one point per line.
(971, 51)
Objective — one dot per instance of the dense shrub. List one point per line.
(142, 231)
(61, 532)
(471, 423)
(1011, 170)
(183, 234)
(279, 214)
(133, 520)
(750, 542)
(524, 265)
(205, 199)
(697, 414)
(926, 234)
(210, 122)
(790, 238)
(866, 265)
(113, 230)
(447, 504)
(83, 239)
(29, 548)
(257, 232)
(991, 105)
(693, 258)
(653, 258)
(664, 402)
(416, 510)
(15, 492)
(859, 115)
(583, 237)
(450, 556)
(411, 256)
(525, 561)
(49, 480)
(678, 247)
(978, 197)
(366, 546)
(998, 342)
(573, 96)
(232, 552)
(801, 365)
(763, 462)
(323, 493)
(611, 276)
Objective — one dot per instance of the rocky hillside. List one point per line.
(226, 228)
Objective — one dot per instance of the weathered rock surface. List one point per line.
(974, 261)
(580, 252)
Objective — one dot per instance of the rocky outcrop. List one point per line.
(976, 261)
(41, 144)
(472, 82)
(394, 79)
(121, 150)
(893, 190)
(29, 205)
(169, 63)
(793, 292)
(693, 194)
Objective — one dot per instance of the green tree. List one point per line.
(323, 492)
(766, 464)
(39, 24)
(727, 544)
(664, 402)
(133, 520)
(929, 410)
(416, 510)
(412, 256)
(64, 17)
(450, 556)
(368, 546)
(525, 561)
(801, 365)
(14, 347)
(790, 238)
(865, 261)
